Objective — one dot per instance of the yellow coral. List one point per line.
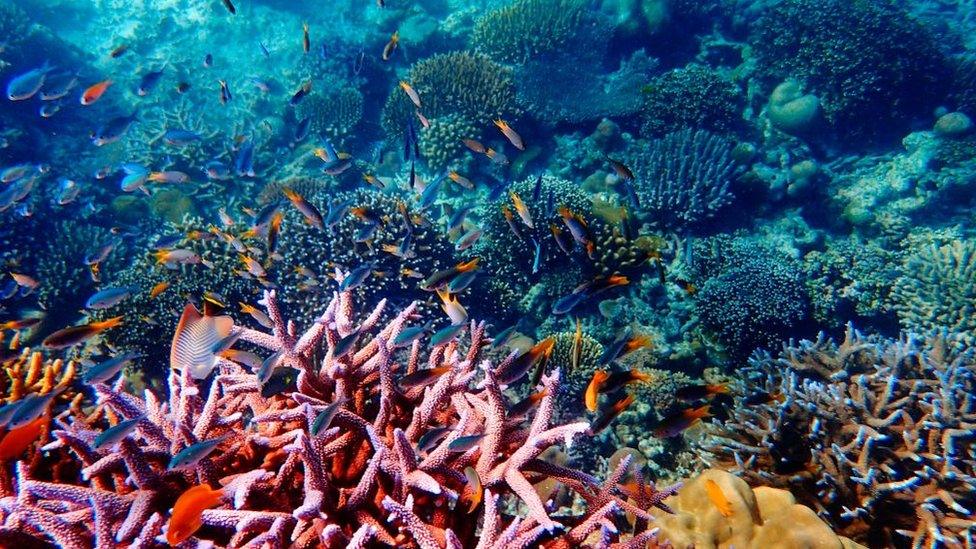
(764, 518)
(30, 372)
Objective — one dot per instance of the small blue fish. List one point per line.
(366, 232)
(431, 438)
(344, 345)
(180, 137)
(337, 211)
(445, 335)
(192, 454)
(612, 351)
(457, 218)
(301, 129)
(30, 408)
(537, 190)
(244, 163)
(430, 192)
(7, 412)
(48, 110)
(461, 282)
(504, 336)
(108, 438)
(109, 297)
(226, 342)
(268, 367)
(24, 86)
(148, 82)
(567, 303)
(409, 335)
(104, 371)
(264, 50)
(218, 171)
(9, 290)
(58, 86)
(538, 256)
(67, 191)
(465, 443)
(356, 277)
(113, 130)
(325, 417)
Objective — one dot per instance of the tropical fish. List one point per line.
(297, 97)
(620, 168)
(191, 455)
(268, 366)
(182, 87)
(30, 408)
(194, 340)
(510, 134)
(109, 297)
(225, 95)
(208, 60)
(441, 278)
(325, 417)
(460, 180)
(699, 392)
(391, 46)
(253, 266)
(58, 86)
(48, 110)
(104, 371)
(230, 7)
(537, 259)
(522, 209)
(113, 130)
(73, 335)
(149, 82)
(18, 439)
(179, 137)
(465, 443)
(421, 378)
(345, 344)
(526, 361)
(108, 438)
(445, 334)
(608, 415)
(512, 225)
(567, 303)
(411, 93)
(675, 423)
(311, 213)
(461, 282)
(522, 407)
(496, 157)
(504, 336)
(25, 281)
(467, 240)
(244, 163)
(762, 397)
(476, 491)
(457, 218)
(565, 243)
(20, 324)
(429, 439)
(474, 145)
(577, 226)
(306, 41)
(177, 256)
(337, 211)
(94, 92)
(26, 85)
(158, 288)
(717, 497)
(186, 517)
(409, 335)
(355, 278)
(452, 307)
(605, 382)
(246, 358)
(14, 173)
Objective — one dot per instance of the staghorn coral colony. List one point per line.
(495, 274)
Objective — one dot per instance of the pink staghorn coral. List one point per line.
(876, 435)
(361, 480)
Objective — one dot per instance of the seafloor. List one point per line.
(488, 274)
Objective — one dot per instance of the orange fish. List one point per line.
(637, 342)
(391, 46)
(18, 440)
(477, 491)
(460, 180)
(95, 92)
(158, 289)
(522, 210)
(74, 335)
(674, 424)
(604, 419)
(717, 497)
(524, 362)
(20, 324)
(186, 517)
(514, 138)
(593, 389)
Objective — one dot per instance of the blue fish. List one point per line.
(192, 454)
(148, 82)
(445, 335)
(114, 434)
(226, 342)
(465, 443)
(538, 256)
(431, 437)
(457, 218)
(537, 190)
(344, 345)
(567, 303)
(180, 138)
(104, 371)
(356, 277)
(325, 417)
(7, 412)
(217, 171)
(30, 408)
(301, 130)
(409, 335)
(337, 211)
(244, 163)
(461, 281)
(113, 130)
(24, 86)
(430, 192)
(268, 367)
(503, 336)
(109, 297)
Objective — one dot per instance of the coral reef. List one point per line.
(569, 401)
(849, 278)
(29, 373)
(525, 29)
(333, 111)
(461, 83)
(873, 66)
(66, 281)
(752, 296)
(762, 517)
(682, 179)
(694, 96)
(874, 434)
(935, 289)
(283, 478)
(441, 143)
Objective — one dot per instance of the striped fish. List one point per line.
(195, 339)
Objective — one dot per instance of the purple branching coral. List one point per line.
(876, 435)
(361, 479)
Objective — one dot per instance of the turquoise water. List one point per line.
(737, 228)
